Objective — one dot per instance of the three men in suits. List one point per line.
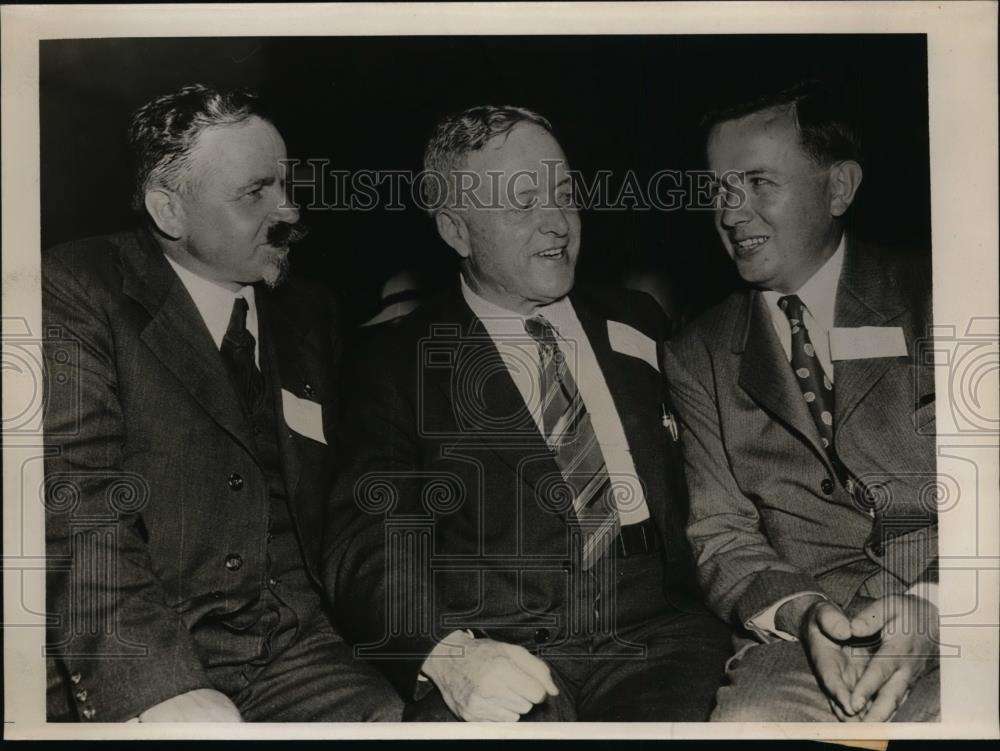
(518, 547)
(810, 454)
(189, 456)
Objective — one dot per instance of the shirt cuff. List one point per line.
(421, 677)
(763, 624)
(926, 590)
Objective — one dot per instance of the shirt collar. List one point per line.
(500, 321)
(215, 303)
(819, 293)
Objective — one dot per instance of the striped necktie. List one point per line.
(568, 432)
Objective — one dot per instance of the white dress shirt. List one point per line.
(519, 352)
(215, 304)
(819, 298)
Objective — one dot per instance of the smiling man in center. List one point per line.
(517, 547)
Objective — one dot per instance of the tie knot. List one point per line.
(238, 318)
(791, 305)
(541, 331)
(237, 333)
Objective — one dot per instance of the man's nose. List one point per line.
(285, 210)
(554, 221)
(734, 210)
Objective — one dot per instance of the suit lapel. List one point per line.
(622, 374)
(279, 352)
(177, 335)
(765, 374)
(864, 298)
(484, 399)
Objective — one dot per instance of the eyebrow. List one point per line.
(535, 189)
(257, 181)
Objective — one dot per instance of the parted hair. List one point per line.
(827, 126)
(162, 132)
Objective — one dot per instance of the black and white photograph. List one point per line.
(497, 369)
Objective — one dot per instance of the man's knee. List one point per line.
(771, 683)
(381, 703)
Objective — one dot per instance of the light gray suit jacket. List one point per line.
(768, 517)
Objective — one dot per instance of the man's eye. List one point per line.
(526, 204)
(759, 182)
(565, 199)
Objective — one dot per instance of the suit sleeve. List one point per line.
(121, 647)
(738, 569)
(379, 587)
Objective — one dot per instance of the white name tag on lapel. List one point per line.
(632, 342)
(303, 416)
(867, 342)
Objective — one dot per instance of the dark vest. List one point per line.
(288, 600)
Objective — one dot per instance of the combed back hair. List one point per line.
(827, 127)
(459, 135)
(162, 133)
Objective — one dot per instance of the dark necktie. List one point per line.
(816, 387)
(570, 435)
(238, 354)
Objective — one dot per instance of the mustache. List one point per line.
(283, 234)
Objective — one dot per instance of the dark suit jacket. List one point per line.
(767, 518)
(450, 473)
(152, 483)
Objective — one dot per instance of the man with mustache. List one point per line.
(809, 431)
(520, 551)
(189, 444)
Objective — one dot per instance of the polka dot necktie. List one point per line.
(816, 387)
(571, 437)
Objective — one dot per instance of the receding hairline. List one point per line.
(193, 171)
(501, 141)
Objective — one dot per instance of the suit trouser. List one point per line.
(640, 659)
(314, 677)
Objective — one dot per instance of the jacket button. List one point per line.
(234, 561)
(88, 713)
(827, 485)
(81, 695)
(541, 635)
(75, 678)
(235, 481)
(307, 390)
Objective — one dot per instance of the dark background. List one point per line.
(616, 103)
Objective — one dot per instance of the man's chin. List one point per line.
(275, 268)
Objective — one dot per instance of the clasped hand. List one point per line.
(866, 683)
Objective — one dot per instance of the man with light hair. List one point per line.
(518, 548)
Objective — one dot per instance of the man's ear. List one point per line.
(454, 231)
(845, 179)
(165, 208)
